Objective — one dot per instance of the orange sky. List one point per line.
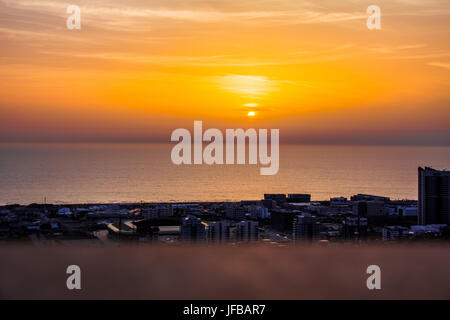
(136, 71)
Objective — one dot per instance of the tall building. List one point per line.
(192, 230)
(247, 231)
(306, 227)
(219, 232)
(434, 200)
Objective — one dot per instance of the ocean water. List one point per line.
(81, 173)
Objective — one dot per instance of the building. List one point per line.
(432, 230)
(157, 212)
(64, 212)
(354, 228)
(282, 220)
(258, 212)
(235, 212)
(247, 231)
(277, 197)
(405, 211)
(219, 232)
(298, 197)
(150, 213)
(165, 211)
(369, 209)
(338, 200)
(305, 227)
(269, 204)
(192, 230)
(434, 200)
(251, 202)
(394, 233)
(369, 197)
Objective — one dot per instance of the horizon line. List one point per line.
(159, 141)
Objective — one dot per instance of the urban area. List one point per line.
(276, 220)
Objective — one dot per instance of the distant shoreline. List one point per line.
(159, 203)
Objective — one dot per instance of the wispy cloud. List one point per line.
(117, 14)
(121, 16)
(445, 65)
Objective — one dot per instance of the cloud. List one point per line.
(445, 65)
(130, 16)
(117, 13)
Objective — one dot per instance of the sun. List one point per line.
(251, 113)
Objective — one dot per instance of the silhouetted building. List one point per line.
(269, 204)
(258, 212)
(235, 212)
(251, 202)
(219, 232)
(157, 212)
(192, 229)
(406, 211)
(394, 233)
(282, 220)
(369, 197)
(305, 227)
(298, 197)
(277, 197)
(369, 209)
(247, 231)
(354, 228)
(434, 200)
(338, 200)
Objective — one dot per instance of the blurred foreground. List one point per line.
(254, 272)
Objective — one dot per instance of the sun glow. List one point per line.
(248, 86)
(251, 113)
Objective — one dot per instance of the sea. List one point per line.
(64, 173)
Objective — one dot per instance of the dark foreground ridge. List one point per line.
(224, 272)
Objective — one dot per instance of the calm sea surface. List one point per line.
(76, 173)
